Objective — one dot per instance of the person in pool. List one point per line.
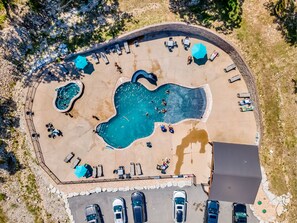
(167, 91)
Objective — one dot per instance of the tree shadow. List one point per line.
(223, 15)
(9, 122)
(285, 13)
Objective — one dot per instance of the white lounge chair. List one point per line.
(118, 49)
(132, 169)
(126, 46)
(69, 157)
(230, 67)
(244, 95)
(76, 162)
(104, 58)
(138, 169)
(100, 171)
(234, 78)
(95, 172)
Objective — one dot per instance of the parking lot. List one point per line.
(159, 205)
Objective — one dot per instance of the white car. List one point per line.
(179, 206)
(119, 210)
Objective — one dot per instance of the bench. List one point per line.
(100, 171)
(126, 46)
(95, 172)
(234, 78)
(132, 169)
(244, 95)
(76, 162)
(69, 157)
(230, 67)
(138, 169)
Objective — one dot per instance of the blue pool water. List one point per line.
(65, 94)
(139, 108)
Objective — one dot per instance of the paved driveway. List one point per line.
(159, 205)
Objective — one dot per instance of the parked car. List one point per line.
(139, 207)
(179, 206)
(212, 211)
(119, 210)
(239, 213)
(93, 214)
(95, 58)
(63, 68)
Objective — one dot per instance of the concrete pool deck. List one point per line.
(187, 148)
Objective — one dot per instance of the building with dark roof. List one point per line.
(236, 173)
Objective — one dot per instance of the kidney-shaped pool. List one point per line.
(137, 109)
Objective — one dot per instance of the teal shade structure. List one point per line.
(80, 171)
(81, 62)
(199, 51)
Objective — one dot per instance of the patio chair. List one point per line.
(234, 78)
(76, 162)
(95, 172)
(69, 157)
(132, 169)
(118, 49)
(230, 67)
(138, 169)
(126, 46)
(100, 171)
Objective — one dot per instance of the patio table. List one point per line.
(170, 43)
(186, 42)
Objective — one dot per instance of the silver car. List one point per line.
(93, 214)
(179, 206)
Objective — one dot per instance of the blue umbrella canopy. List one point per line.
(80, 62)
(199, 51)
(80, 171)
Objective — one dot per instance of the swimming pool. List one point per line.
(139, 108)
(67, 94)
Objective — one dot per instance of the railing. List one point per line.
(167, 29)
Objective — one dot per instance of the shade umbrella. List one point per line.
(80, 171)
(81, 62)
(199, 51)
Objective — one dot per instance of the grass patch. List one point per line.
(3, 217)
(273, 73)
(2, 196)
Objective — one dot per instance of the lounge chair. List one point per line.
(213, 55)
(76, 162)
(243, 95)
(69, 157)
(247, 108)
(245, 102)
(100, 171)
(95, 172)
(136, 43)
(230, 67)
(132, 169)
(126, 46)
(104, 58)
(118, 49)
(138, 169)
(234, 78)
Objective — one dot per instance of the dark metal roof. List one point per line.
(236, 174)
